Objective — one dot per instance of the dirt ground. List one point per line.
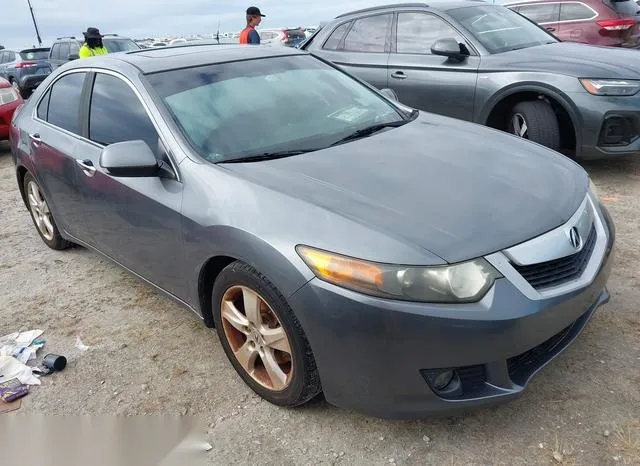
(148, 355)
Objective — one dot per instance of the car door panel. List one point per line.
(576, 20)
(431, 82)
(136, 221)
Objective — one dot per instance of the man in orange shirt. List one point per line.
(249, 35)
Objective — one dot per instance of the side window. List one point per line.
(2, 56)
(333, 42)
(418, 31)
(575, 11)
(43, 107)
(541, 12)
(55, 52)
(369, 34)
(117, 115)
(11, 56)
(64, 102)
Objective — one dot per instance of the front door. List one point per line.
(136, 221)
(361, 47)
(429, 82)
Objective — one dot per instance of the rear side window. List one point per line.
(64, 51)
(74, 49)
(64, 102)
(333, 42)
(575, 12)
(541, 12)
(55, 52)
(369, 34)
(117, 115)
(43, 107)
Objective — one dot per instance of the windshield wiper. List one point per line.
(369, 130)
(267, 156)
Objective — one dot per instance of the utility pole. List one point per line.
(35, 25)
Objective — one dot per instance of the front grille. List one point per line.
(559, 271)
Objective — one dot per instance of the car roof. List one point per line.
(188, 55)
(433, 5)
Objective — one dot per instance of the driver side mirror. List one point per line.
(448, 47)
(73, 56)
(129, 159)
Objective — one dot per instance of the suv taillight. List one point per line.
(616, 24)
(26, 64)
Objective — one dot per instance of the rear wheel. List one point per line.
(535, 120)
(262, 337)
(42, 216)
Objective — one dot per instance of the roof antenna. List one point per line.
(218, 33)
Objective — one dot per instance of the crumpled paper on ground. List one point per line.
(16, 349)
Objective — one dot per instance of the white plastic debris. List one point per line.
(81, 346)
(11, 368)
(16, 349)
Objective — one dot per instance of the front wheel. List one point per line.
(535, 120)
(262, 338)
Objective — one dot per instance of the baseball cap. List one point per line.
(254, 11)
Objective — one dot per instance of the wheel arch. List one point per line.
(494, 111)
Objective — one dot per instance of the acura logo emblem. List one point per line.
(574, 238)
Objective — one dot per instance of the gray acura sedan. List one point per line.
(401, 262)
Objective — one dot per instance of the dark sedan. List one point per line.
(487, 64)
(401, 262)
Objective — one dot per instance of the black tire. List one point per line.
(541, 120)
(56, 241)
(305, 380)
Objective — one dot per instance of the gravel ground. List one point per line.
(148, 355)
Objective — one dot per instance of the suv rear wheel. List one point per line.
(535, 120)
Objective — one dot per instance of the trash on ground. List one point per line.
(81, 346)
(12, 390)
(18, 349)
(54, 362)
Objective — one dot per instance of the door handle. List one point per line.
(550, 29)
(87, 167)
(35, 137)
(399, 75)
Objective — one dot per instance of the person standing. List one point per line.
(249, 35)
(92, 44)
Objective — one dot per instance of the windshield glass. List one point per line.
(35, 54)
(295, 103)
(500, 29)
(120, 45)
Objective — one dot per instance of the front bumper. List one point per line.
(372, 353)
(607, 115)
(30, 82)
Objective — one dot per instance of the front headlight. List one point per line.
(458, 283)
(612, 87)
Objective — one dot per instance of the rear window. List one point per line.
(36, 54)
(120, 45)
(624, 7)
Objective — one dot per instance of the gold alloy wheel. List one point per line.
(40, 211)
(257, 338)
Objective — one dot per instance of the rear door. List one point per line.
(362, 47)
(54, 142)
(546, 15)
(431, 82)
(577, 21)
(136, 221)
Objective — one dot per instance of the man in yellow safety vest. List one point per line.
(92, 44)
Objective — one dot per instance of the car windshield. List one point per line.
(120, 45)
(35, 54)
(235, 110)
(500, 29)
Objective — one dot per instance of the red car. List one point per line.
(10, 100)
(597, 22)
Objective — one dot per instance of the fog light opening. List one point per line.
(440, 381)
(445, 382)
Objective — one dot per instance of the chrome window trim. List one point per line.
(502, 263)
(566, 21)
(126, 80)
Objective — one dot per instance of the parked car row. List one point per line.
(401, 261)
(490, 65)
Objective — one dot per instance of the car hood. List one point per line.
(456, 189)
(570, 58)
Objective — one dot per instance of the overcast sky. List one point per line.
(141, 18)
